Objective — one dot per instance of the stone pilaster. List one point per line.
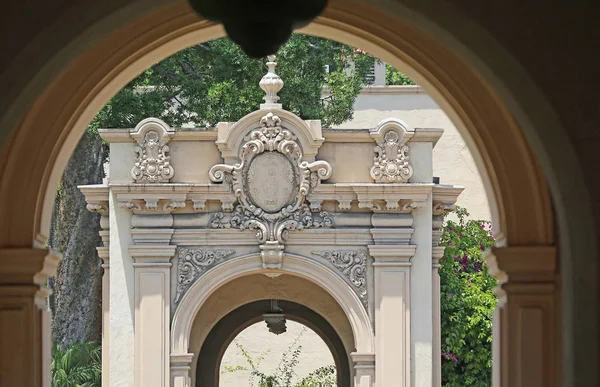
(104, 254)
(24, 320)
(152, 253)
(364, 369)
(421, 291)
(525, 342)
(437, 254)
(392, 318)
(152, 269)
(180, 369)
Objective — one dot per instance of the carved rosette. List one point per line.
(271, 183)
(391, 161)
(193, 263)
(153, 163)
(353, 265)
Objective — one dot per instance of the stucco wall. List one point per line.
(257, 339)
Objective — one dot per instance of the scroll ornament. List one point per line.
(193, 263)
(390, 161)
(271, 184)
(353, 265)
(153, 161)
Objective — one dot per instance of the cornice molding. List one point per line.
(392, 255)
(523, 264)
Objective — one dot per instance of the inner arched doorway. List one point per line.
(515, 178)
(223, 333)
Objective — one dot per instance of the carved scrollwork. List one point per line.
(273, 230)
(193, 263)
(153, 163)
(271, 183)
(353, 265)
(391, 161)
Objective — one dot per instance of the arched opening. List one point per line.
(319, 293)
(514, 175)
(226, 330)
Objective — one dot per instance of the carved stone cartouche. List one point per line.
(391, 161)
(271, 183)
(153, 163)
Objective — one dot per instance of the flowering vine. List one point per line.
(467, 301)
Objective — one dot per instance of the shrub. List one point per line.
(467, 302)
(80, 365)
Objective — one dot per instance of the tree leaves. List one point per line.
(216, 81)
(80, 365)
(467, 302)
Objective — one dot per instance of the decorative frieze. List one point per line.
(194, 262)
(153, 163)
(353, 265)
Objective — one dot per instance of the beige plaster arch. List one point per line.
(65, 73)
(334, 288)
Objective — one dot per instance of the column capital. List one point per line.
(523, 264)
(363, 358)
(25, 266)
(152, 255)
(392, 255)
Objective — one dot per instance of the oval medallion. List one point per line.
(271, 181)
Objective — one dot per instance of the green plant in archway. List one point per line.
(79, 365)
(284, 374)
(467, 302)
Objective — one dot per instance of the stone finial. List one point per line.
(271, 83)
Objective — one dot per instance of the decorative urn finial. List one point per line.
(271, 83)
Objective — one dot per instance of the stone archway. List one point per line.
(63, 104)
(223, 333)
(239, 282)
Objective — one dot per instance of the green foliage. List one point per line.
(216, 81)
(467, 302)
(321, 377)
(395, 77)
(283, 375)
(80, 365)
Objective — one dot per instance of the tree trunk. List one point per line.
(76, 303)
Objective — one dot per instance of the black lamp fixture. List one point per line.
(275, 319)
(260, 27)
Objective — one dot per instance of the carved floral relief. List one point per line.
(353, 265)
(193, 263)
(153, 163)
(390, 164)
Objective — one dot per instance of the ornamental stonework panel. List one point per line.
(352, 264)
(153, 163)
(390, 164)
(193, 263)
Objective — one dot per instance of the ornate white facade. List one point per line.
(197, 223)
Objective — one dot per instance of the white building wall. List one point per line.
(452, 160)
